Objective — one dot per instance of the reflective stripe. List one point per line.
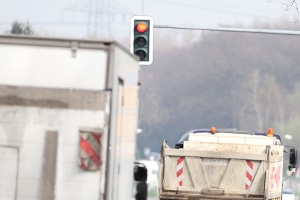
(180, 170)
(249, 174)
(89, 151)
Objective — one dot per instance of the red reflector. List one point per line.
(141, 27)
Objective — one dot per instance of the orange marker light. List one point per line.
(270, 132)
(213, 130)
(141, 27)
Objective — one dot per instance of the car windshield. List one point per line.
(185, 136)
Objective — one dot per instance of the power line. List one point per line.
(242, 30)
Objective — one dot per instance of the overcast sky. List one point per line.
(79, 18)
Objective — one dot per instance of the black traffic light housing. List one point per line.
(141, 39)
(140, 174)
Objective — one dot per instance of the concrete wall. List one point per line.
(24, 121)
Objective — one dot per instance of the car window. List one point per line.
(184, 137)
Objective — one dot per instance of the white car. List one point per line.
(288, 195)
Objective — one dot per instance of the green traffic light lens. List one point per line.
(141, 53)
(140, 41)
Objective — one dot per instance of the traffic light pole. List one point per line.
(242, 30)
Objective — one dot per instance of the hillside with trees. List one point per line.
(228, 80)
(243, 81)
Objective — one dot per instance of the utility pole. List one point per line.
(100, 15)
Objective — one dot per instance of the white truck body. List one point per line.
(222, 166)
(55, 96)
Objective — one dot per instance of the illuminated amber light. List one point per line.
(141, 27)
(213, 130)
(270, 132)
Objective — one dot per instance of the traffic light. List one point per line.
(140, 174)
(141, 39)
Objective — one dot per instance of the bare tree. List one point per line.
(291, 5)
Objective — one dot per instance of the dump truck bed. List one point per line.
(221, 169)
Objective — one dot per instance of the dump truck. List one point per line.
(224, 164)
(68, 119)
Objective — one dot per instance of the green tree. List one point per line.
(21, 28)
